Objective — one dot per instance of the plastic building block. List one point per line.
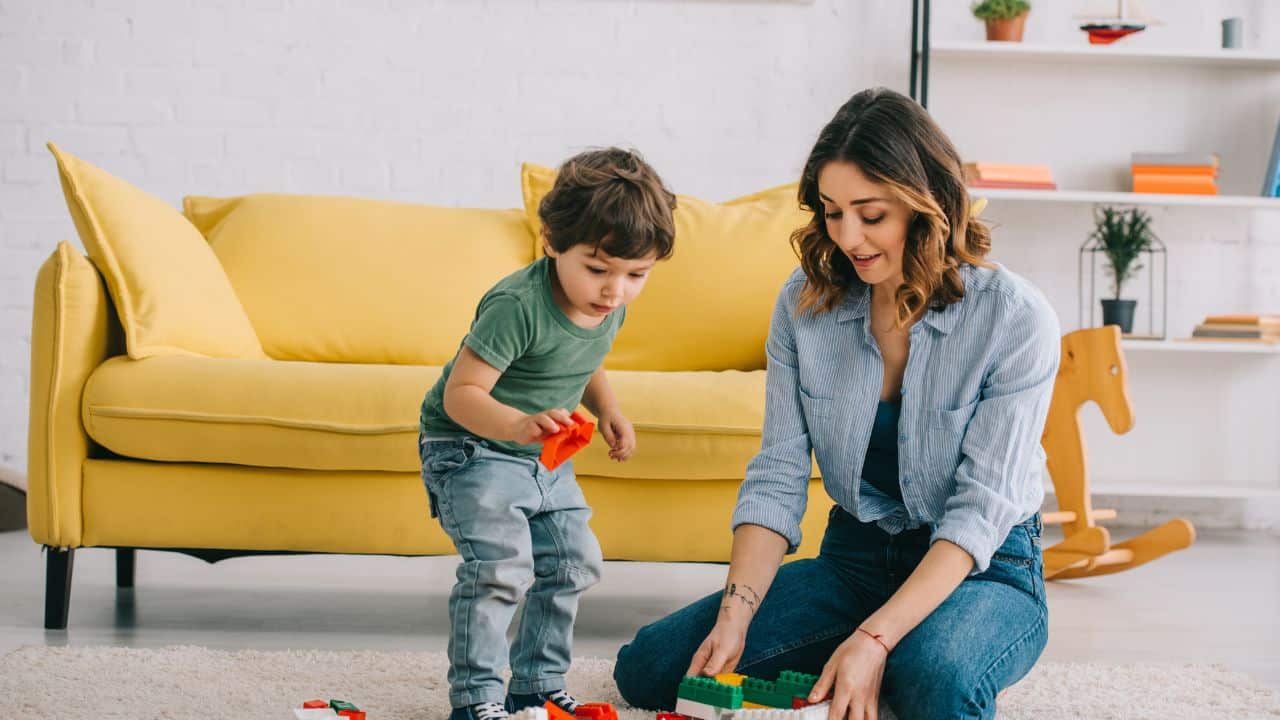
(730, 679)
(799, 702)
(702, 711)
(340, 705)
(324, 713)
(596, 711)
(795, 684)
(811, 712)
(672, 716)
(352, 714)
(707, 691)
(312, 704)
(555, 713)
(561, 446)
(763, 692)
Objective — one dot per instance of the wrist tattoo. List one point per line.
(744, 593)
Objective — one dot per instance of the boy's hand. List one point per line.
(619, 434)
(540, 426)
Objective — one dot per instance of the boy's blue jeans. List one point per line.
(981, 639)
(522, 532)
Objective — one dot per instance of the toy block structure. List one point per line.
(731, 696)
(562, 445)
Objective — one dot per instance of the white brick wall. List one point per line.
(434, 101)
(438, 101)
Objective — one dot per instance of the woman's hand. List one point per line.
(722, 649)
(854, 671)
(619, 434)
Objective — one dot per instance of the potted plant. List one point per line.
(1004, 18)
(1122, 236)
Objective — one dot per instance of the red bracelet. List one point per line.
(877, 637)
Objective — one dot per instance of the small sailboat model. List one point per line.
(1106, 25)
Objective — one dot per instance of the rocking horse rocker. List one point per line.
(1093, 368)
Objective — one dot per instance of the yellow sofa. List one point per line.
(161, 419)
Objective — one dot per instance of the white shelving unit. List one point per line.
(1246, 60)
(1127, 198)
(1199, 346)
(1023, 52)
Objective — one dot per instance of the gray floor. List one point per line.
(1218, 602)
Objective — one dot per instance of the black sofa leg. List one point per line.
(125, 558)
(57, 587)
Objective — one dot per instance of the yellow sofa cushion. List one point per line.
(708, 307)
(340, 416)
(337, 279)
(171, 294)
(267, 413)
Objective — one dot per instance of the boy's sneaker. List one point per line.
(480, 711)
(562, 700)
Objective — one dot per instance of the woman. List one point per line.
(919, 375)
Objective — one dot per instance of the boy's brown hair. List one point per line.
(613, 200)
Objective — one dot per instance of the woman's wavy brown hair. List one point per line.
(893, 141)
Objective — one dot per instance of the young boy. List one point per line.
(533, 353)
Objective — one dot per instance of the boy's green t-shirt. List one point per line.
(544, 358)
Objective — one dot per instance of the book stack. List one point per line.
(1003, 175)
(1248, 328)
(1175, 173)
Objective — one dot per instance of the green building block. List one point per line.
(763, 692)
(795, 684)
(340, 705)
(708, 691)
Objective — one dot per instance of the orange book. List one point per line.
(1013, 185)
(1209, 170)
(1175, 184)
(1004, 172)
(1250, 320)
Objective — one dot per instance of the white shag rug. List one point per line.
(175, 683)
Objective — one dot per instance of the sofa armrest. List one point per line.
(73, 330)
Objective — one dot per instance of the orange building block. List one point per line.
(561, 446)
(315, 704)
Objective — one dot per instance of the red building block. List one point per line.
(596, 711)
(672, 716)
(561, 446)
(315, 704)
(555, 713)
(353, 714)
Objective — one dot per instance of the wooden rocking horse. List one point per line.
(1093, 368)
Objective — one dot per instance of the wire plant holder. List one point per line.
(1156, 264)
